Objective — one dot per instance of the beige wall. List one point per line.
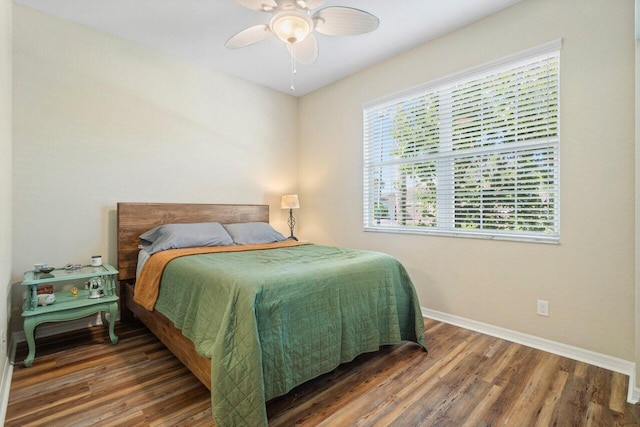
(99, 120)
(637, 194)
(5, 169)
(588, 278)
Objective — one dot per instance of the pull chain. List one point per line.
(293, 65)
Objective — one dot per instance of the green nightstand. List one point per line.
(66, 306)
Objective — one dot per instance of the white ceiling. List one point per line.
(198, 29)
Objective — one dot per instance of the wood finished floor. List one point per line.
(466, 379)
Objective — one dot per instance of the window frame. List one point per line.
(551, 49)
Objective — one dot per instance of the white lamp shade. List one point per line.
(290, 201)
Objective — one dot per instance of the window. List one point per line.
(474, 154)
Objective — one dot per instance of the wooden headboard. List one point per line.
(136, 218)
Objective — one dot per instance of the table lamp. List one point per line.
(290, 201)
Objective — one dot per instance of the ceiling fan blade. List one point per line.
(305, 52)
(344, 21)
(249, 36)
(262, 5)
(310, 4)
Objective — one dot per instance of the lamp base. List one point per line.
(292, 223)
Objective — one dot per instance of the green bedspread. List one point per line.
(273, 319)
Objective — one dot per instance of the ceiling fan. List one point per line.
(293, 23)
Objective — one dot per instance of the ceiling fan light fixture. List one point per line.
(291, 27)
(294, 24)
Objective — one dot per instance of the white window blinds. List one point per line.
(475, 154)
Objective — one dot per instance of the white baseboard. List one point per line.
(633, 394)
(55, 328)
(5, 381)
(591, 357)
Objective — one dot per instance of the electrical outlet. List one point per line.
(543, 308)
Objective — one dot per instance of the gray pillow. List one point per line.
(174, 236)
(252, 233)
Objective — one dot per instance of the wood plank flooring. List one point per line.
(466, 379)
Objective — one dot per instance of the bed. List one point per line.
(292, 312)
